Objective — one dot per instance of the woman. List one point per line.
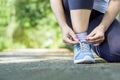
(90, 24)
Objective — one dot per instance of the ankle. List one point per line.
(82, 36)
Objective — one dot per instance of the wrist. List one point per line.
(63, 27)
(103, 27)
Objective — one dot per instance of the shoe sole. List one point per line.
(85, 60)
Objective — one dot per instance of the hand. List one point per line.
(96, 37)
(69, 36)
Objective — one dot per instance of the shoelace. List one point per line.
(84, 46)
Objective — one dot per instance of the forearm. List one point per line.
(110, 15)
(59, 12)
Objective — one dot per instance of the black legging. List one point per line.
(80, 4)
(110, 48)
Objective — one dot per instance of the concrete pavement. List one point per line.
(42, 65)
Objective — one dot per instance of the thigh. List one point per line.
(109, 49)
(111, 45)
(113, 37)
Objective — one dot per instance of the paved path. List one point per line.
(42, 65)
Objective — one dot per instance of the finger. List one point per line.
(90, 35)
(95, 37)
(97, 40)
(97, 43)
(74, 37)
(69, 42)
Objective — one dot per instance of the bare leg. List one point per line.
(80, 12)
(80, 19)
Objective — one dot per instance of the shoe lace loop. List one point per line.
(84, 46)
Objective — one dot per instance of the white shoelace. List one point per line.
(84, 46)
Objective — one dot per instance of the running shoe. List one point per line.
(83, 53)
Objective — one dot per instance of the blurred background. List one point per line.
(28, 24)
